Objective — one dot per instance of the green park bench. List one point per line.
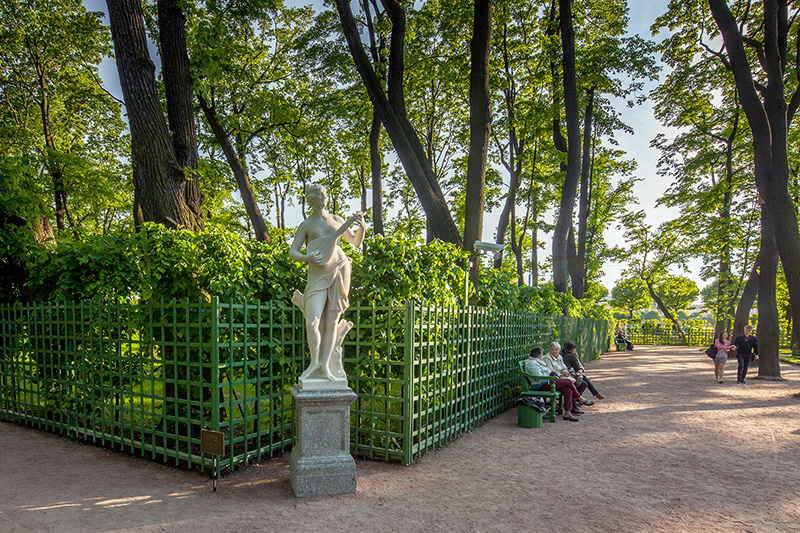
(621, 346)
(556, 400)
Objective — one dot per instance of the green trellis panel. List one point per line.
(463, 369)
(147, 377)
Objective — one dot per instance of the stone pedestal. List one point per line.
(321, 463)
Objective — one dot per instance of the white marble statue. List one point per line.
(328, 285)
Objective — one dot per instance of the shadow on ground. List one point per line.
(669, 449)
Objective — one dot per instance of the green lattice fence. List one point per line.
(464, 366)
(147, 376)
(132, 375)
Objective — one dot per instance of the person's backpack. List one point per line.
(711, 351)
(535, 402)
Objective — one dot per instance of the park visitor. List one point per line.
(746, 351)
(555, 364)
(536, 366)
(723, 347)
(621, 336)
(573, 362)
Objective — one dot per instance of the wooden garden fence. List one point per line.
(147, 377)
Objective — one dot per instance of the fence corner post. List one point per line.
(408, 354)
(215, 362)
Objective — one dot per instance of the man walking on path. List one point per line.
(746, 348)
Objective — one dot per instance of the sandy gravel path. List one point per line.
(668, 450)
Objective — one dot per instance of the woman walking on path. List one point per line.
(745, 346)
(723, 347)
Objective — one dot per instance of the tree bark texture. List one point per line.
(535, 246)
(377, 46)
(178, 92)
(480, 124)
(375, 163)
(245, 188)
(516, 249)
(56, 172)
(768, 330)
(573, 267)
(392, 111)
(579, 280)
(748, 297)
(570, 188)
(725, 283)
(157, 176)
(514, 162)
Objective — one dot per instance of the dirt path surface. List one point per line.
(669, 449)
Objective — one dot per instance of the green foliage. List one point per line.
(650, 315)
(154, 262)
(499, 289)
(394, 269)
(159, 263)
(20, 208)
(54, 112)
(677, 292)
(270, 273)
(630, 295)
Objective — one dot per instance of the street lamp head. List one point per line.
(482, 246)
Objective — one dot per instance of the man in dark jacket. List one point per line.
(575, 366)
(746, 350)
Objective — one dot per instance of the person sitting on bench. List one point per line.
(555, 364)
(623, 337)
(573, 362)
(536, 366)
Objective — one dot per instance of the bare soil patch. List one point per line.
(669, 449)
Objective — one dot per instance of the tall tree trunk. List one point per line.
(157, 176)
(725, 281)
(375, 162)
(242, 180)
(516, 248)
(55, 170)
(535, 248)
(15, 267)
(377, 46)
(514, 161)
(518, 241)
(533, 202)
(392, 111)
(480, 123)
(749, 293)
(178, 92)
(506, 216)
(579, 281)
(769, 121)
(570, 188)
(573, 266)
(768, 330)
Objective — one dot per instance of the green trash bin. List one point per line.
(528, 417)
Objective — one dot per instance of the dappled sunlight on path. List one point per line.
(669, 449)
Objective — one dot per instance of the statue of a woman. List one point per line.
(328, 285)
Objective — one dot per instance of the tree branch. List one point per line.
(751, 103)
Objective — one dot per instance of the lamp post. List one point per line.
(479, 246)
